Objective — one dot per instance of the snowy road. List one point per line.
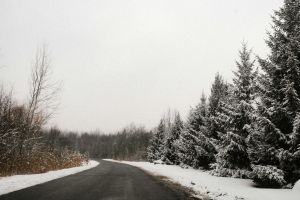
(107, 181)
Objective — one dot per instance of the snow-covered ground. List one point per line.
(12, 183)
(219, 188)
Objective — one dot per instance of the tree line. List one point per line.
(129, 143)
(249, 127)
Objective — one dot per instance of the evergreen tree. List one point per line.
(237, 115)
(234, 152)
(197, 118)
(244, 93)
(194, 147)
(156, 146)
(170, 151)
(278, 126)
(219, 91)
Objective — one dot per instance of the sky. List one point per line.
(124, 61)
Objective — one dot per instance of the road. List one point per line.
(107, 181)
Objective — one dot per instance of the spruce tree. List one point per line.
(194, 147)
(197, 118)
(219, 91)
(237, 115)
(156, 146)
(244, 93)
(170, 149)
(278, 126)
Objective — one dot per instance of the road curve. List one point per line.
(107, 181)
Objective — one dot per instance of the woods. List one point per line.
(249, 127)
(129, 143)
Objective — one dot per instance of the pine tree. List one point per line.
(244, 92)
(194, 147)
(237, 115)
(156, 146)
(198, 116)
(219, 91)
(170, 151)
(278, 125)
(234, 152)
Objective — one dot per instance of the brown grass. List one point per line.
(41, 162)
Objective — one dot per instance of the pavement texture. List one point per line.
(107, 181)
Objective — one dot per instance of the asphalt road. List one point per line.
(107, 181)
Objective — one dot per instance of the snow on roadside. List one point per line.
(219, 188)
(17, 182)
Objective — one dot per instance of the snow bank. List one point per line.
(296, 187)
(12, 183)
(220, 188)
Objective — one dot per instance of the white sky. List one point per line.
(124, 61)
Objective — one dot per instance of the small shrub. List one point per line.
(268, 176)
(234, 173)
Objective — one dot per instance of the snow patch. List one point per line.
(218, 188)
(12, 183)
(296, 187)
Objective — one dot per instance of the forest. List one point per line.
(248, 127)
(128, 144)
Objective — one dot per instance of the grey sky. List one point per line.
(128, 61)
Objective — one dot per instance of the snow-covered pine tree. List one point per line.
(219, 91)
(244, 92)
(279, 92)
(197, 118)
(156, 146)
(170, 151)
(194, 147)
(237, 114)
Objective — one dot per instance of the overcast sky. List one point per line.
(128, 61)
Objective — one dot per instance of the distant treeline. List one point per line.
(127, 144)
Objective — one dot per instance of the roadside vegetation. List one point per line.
(23, 145)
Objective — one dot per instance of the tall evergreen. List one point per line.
(170, 155)
(195, 148)
(156, 146)
(219, 91)
(237, 114)
(278, 127)
(244, 92)
(197, 118)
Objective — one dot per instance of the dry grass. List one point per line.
(41, 162)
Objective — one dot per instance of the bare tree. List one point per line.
(43, 99)
(44, 91)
